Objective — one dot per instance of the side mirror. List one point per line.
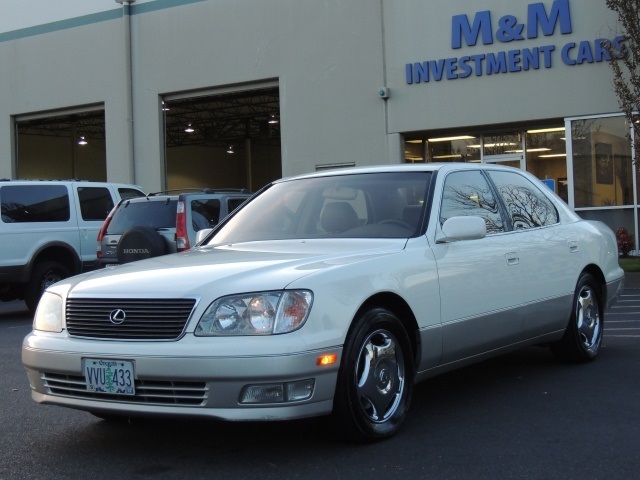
(202, 234)
(462, 228)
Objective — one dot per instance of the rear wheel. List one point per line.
(43, 275)
(583, 336)
(375, 380)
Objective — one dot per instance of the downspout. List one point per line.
(128, 93)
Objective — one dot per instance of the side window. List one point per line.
(95, 203)
(34, 203)
(205, 213)
(527, 205)
(468, 193)
(126, 193)
(233, 203)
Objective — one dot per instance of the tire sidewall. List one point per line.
(352, 420)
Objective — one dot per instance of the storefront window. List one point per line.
(460, 148)
(602, 168)
(547, 157)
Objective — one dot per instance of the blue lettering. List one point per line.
(619, 47)
(537, 16)
(546, 51)
(531, 58)
(451, 66)
(436, 68)
(514, 60)
(496, 63)
(420, 72)
(509, 29)
(460, 28)
(466, 69)
(477, 59)
(584, 53)
(602, 49)
(565, 53)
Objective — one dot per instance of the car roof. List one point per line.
(405, 167)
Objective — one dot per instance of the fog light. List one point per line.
(262, 394)
(278, 392)
(302, 390)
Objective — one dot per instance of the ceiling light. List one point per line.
(273, 120)
(552, 155)
(450, 139)
(82, 141)
(547, 130)
(165, 108)
(230, 149)
(529, 150)
(189, 129)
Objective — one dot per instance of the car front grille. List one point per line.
(128, 319)
(187, 394)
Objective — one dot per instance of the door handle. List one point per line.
(512, 258)
(573, 247)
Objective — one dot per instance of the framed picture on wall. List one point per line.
(604, 164)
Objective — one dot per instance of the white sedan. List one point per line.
(331, 293)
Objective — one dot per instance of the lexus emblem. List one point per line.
(117, 316)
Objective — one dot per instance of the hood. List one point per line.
(228, 269)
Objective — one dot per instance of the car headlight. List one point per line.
(261, 313)
(49, 316)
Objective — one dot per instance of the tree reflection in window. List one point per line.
(468, 193)
(528, 207)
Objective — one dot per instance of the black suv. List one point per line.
(162, 223)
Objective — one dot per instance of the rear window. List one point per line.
(149, 213)
(126, 192)
(34, 203)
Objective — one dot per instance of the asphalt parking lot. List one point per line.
(522, 415)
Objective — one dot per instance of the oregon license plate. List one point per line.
(109, 376)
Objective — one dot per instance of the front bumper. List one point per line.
(177, 384)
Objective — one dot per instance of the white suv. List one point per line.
(48, 231)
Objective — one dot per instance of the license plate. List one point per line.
(109, 376)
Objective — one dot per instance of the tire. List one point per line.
(375, 380)
(139, 243)
(43, 274)
(583, 337)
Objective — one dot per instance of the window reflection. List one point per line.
(601, 162)
(468, 193)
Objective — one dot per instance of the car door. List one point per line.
(549, 251)
(92, 204)
(481, 281)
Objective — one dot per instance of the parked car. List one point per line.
(331, 293)
(162, 223)
(48, 231)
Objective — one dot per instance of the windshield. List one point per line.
(371, 205)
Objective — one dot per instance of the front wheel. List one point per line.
(43, 275)
(583, 336)
(375, 381)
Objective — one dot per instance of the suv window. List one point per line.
(205, 213)
(155, 214)
(233, 203)
(528, 207)
(95, 202)
(468, 193)
(126, 193)
(34, 203)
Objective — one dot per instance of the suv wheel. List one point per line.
(43, 275)
(139, 243)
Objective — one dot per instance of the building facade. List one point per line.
(235, 93)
